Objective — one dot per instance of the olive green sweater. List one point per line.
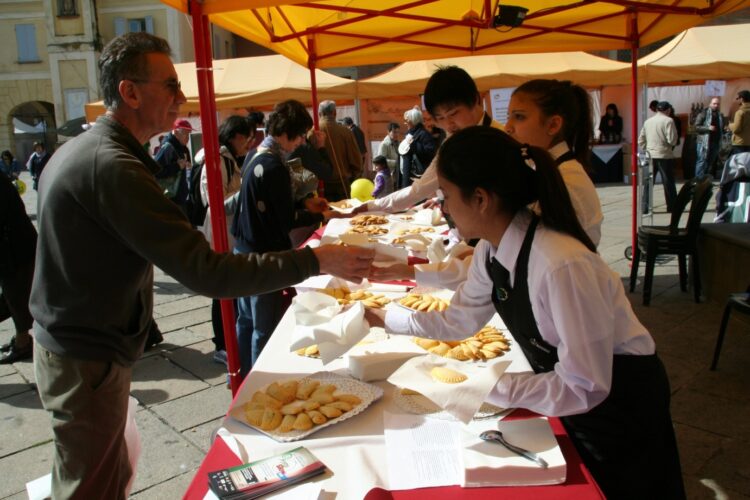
(103, 224)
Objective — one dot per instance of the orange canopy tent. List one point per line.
(706, 53)
(495, 71)
(238, 83)
(331, 33)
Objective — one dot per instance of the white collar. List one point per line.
(558, 149)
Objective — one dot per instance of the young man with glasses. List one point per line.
(452, 98)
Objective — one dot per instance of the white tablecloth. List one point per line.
(354, 450)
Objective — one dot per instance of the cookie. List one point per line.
(266, 400)
(330, 411)
(271, 419)
(304, 389)
(292, 408)
(254, 416)
(447, 376)
(303, 422)
(317, 417)
(284, 393)
(348, 398)
(287, 423)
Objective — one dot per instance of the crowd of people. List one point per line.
(516, 195)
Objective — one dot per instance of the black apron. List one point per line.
(627, 441)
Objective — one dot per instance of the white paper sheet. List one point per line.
(422, 452)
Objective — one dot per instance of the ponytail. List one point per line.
(554, 201)
(573, 104)
(519, 175)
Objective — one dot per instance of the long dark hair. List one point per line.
(573, 104)
(232, 126)
(484, 157)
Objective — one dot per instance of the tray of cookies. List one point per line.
(292, 409)
(487, 343)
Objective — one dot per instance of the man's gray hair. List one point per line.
(414, 116)
(124, 58)
(327, 109)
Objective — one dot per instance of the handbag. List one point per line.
(170, 185)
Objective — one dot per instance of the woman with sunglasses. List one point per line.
(594, 365)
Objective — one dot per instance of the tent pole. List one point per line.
(204, 70)
(313, 82)
(634, 128)
(314, 97)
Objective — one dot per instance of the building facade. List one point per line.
(48, 61)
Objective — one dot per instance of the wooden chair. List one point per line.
(673, 240)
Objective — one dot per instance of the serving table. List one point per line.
(354, 449)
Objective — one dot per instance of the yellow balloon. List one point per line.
(20, 186)
(362, 189)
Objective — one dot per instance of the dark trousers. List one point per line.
(665, 167)
(257, 318)
(14, 301)
(705, 158)
(218, 324)
(627, 441)
(88, 404)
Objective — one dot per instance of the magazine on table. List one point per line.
(258, 478)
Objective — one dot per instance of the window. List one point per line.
(66, 8)
(75, 99)
(136, 25)
(26, 42)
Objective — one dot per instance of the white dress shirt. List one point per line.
(580, 308)
(582, 193)
(421, 189)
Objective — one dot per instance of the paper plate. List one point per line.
(366, 392)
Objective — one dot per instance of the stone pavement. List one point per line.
(182, 393)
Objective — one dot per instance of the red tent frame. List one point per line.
(204, 69)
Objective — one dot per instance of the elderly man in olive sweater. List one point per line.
(103, 224)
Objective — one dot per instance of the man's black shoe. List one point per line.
(154, 336)
(7, 347)
(17, 354)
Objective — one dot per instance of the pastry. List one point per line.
(447, 376)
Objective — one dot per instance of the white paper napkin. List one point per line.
(462, 400)
(491, 464)
(437, 251)
(377, 361)
(429, 217)
(319, 320)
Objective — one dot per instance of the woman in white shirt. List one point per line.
(594, 363)
(556, 115)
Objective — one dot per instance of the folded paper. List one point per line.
(320, 319)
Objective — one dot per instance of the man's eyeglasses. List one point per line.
(174, 86)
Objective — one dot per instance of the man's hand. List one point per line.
(360, 209)
(349, 263)
(316, 205)
(376, 317)
(396, 272)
